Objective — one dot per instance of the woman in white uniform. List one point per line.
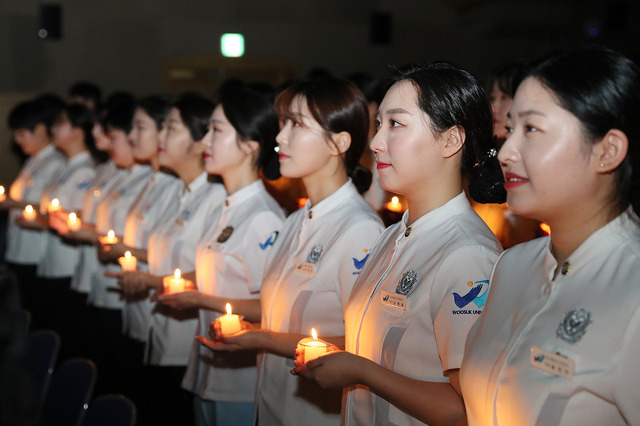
(319, 252)
(425, 282)
(29, 123)
(172, 245)
(559, 338)
(231, 255)
(72, 136)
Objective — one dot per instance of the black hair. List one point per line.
(451, 97)
(508, 77)
(369, 85)
(195, 112)
(119, 116)
(86, 90)
(254, 118)
(337, 105)
(53, 104)
(83, 118)
(27, 115)
(157, 107)
(601, 88)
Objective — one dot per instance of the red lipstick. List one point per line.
(513, 180)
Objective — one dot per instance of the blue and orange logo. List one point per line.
(475, 295)
(359, 263)
(270, 241)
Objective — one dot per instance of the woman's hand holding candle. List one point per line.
(187, 299)
(334, 370)
(133, 283)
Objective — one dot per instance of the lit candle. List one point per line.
(173, 283)
(29, 214)
(394, 205)
(53, 206)
(128, 262)
(73, 222)
(302, 202)
(3, 196)
(229, 323)
(110, 238)
(311, 348)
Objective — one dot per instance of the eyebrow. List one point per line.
(527, 113)
(396, 111)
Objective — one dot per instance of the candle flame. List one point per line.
(395, 200)
(176, 274)
(72, 217)
(545, 228)
(111, 235)
(55, 202)
(302, 202)
(314, 334)
(228, 309)
(1, 189)
(28, 209)
(127, 254)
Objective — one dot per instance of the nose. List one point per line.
(377, 143)
(281, 137)
(508, 152)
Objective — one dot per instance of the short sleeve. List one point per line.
(262, 235)
(625, 386)
(457, 299)
(356, 247)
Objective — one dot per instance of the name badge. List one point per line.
(306, 268)
(395, 300)
(552, 363)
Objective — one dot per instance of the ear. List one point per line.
(453, 141)
(610, 151)
(341, 143)
(249, 147)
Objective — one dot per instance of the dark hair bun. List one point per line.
(487, 181)
(361, 177)
(271, 166)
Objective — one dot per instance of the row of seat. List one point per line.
(64, 392)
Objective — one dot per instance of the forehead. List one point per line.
(533, 94)
(402, 94)
(218, 114)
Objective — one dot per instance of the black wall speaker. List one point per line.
(50, 22)
(380, 26)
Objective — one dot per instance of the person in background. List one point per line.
(319, 251)
(87, 94)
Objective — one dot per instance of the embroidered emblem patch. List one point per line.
(315, 254)
(270, 241)
(225, 234)
(408, 280)
(574, 325)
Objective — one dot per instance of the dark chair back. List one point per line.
(41, 355)
(69, 394)
(111, 410)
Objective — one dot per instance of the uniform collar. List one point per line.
(346, 191)
(45, 152)
(435, 217)
(595, 246)
(243, 194)
(79, 158)
(194, 186)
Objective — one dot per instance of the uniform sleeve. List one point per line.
(625, 387)
(356, 247)
(457, 298)
(76, 186)
(260, 239)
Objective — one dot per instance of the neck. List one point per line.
(568, 233)
(427, 199)
(320, 187)
(190, 171)
(153, 162)
(73, 149)
(238, 178)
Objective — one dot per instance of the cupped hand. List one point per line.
(246, 339)
(333, 370)
(190, 298)
(109, 253)
(130, 282)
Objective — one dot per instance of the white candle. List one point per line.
(394, 205)
(53, 206)
(173, 283)
(311, 348)
(73, 222)
(29, 214)
(110, 238)
(229, 323)
(3, 196)
(128, 262)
